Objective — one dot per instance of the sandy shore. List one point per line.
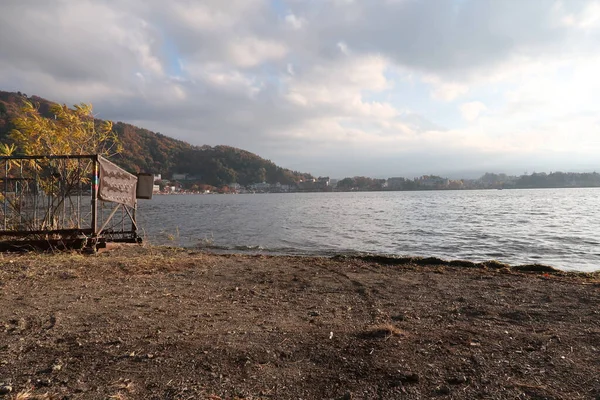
(157, 323)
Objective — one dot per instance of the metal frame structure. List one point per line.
(54, 202)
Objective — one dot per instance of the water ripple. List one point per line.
(551, 226)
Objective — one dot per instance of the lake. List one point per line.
(558, 227)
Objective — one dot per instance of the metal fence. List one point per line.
(48, 201)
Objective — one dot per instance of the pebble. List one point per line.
(408, 377)
(443, 390)
(5, 389)
(457, 380)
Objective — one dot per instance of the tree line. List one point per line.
(25, 120)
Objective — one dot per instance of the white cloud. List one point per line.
(295, 22)
(336, 78)
(444, 91)
(201, 17)
(249, 52)
(341, 84)
(343, 48)
(472, 110)
(586, 19)
(211, 15)
(290, 69)
(449, 91)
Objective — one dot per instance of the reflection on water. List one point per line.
(551, 226)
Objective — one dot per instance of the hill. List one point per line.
(147, 151)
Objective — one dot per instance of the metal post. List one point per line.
(5, 191)
(64, 191)
(36, 194)
(134, 222)
(78, 213)
(95, 183)
(20, 191)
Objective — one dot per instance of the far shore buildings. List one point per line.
(320, 184)
(431, 181)
(156, 187)
(184, 177)
(264, 187)
(188, 183)
(396, 183)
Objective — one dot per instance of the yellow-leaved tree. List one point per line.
(71, 131)
(66, 132)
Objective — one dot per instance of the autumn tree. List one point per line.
(64, 132)
(70, 131)
(146, 151)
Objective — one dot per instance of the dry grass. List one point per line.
(124, 384)
(382, 331)
(29, 395)
(177, 304)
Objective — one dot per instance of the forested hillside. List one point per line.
(147, 151)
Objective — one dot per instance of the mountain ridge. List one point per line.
(153, 152)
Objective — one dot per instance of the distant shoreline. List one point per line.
(377, 190)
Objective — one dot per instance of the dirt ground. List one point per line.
(158, 323)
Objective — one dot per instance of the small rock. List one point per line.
(81, 388)
(57, 367)
(409, 377)
(44, 382)
(457, 380)
(442, 390)
(346, 396)
(5, 390)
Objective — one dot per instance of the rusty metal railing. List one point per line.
(55, 200)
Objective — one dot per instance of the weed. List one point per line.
(28, 395)
(206, 242)
(382, 331)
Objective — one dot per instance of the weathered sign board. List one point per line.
(116, 184)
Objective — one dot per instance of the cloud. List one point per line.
(587, 18)
(295, 22)
(317, 84)
(472, 110)
(249, 52)
(445, 91)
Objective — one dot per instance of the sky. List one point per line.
(379, 88)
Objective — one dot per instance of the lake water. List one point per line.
(558, 227)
